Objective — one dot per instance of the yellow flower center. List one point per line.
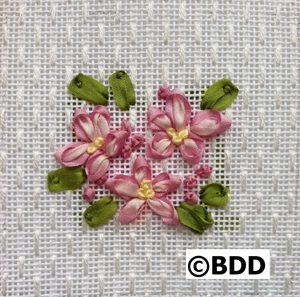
(145, 191)
(177, 137)
(96, 144)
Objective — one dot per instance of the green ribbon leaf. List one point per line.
(66, 179)
(219, 95)
(89, 89)
(215, 194)
(188, 220)
(196, 217)
(100, 212)
(122, 88)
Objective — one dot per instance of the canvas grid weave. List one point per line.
(45, 248)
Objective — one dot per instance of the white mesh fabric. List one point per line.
(45, 249)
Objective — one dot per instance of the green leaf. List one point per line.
(215, 194)
(100, 212)
(204, 217)
(219, 95)
(89, 89)
(122, 88)
(187, 206)
(188, 220)
(195, 217)
(66, 179)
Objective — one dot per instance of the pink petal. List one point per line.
(101, 180)
(158, 120)
(190, 181)
(165, 183)
(131, 210)
(73, 154)
(191, 197)
(80, 111)
(96, 166)
(171, 221)
(160, 146)
(141, 169)
(114, 142)
(164, 92)
(164, 208)
(101, 119)
(137, 140)
(209, 123)
(204, 171)
(126, 126)
(124, 186)
(126, 151)
(88, 194)
(83, 126)
(179, 110)
(192, 150)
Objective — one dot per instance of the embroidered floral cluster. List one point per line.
(97, 144)
(175, 127)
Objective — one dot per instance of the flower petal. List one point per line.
(96, 166)
(165, 183)
(83, 126)
(160, 146)
(137, 140)
(179, 110)
(80, 111)
(164, 208)
(114, 142)
(73, 154)
(158, 120)
(141, 169)
(192, 150)
(164, 92)
(101, 119)
(131, 210)
(209, 123)
(171, 221)
(126, 126)
(123, 185)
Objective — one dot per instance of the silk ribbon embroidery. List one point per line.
(176, 126)
(141, 189)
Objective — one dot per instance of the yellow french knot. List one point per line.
(177, 137)
(96, 144)
(145, 191)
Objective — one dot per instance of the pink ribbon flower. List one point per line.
(96, 143)
(190, 181)
(204, 171)
(174, 127)
(141, 190)
(191, 198)
(137, 140)
(88, 194)
(126, 151)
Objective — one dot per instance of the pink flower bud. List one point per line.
(101, 180)
(163, 93)
(126, 126)
(190, 181)
(137, 141)
(126, 151)
(88, 194)
(191, 197)
(204, 172)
